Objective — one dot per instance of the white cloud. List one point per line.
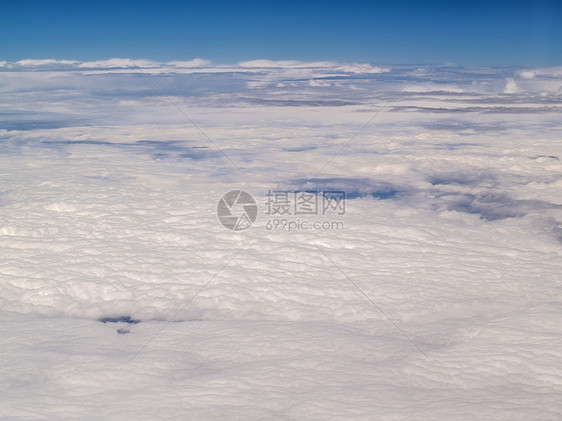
(284, 64)
(527, 74)
(511, 86)
(196, 62)
(284, 68)
(435, 87)
(362, 68)
(108, 202)
(540, 72)
(118, 63)
(45, 62)
(318, 84)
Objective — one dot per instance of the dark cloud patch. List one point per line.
(489, 203)
(446, 94)
(353, 187)
(385, 194)
(464, 179)
(77, 142)
(294, 102)
(174, 149)
(553, 157)
(490, 207)
(459, 125)
(486, 198)
(482, 110)
(456, 145)
(550, 99)
(557, 231)
(157, 149)
(551, 227)
(302, 149)
(27, 125)
(120, 319)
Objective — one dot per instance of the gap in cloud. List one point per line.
(486, 200)
(489, 205)
(457, 145)
(464, 178)
(460, 126)
(300, 149)
(354, 188)
(120, 319)
(29, 125)
(480, 110)
(157, 149)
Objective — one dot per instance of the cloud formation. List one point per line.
(439, 291)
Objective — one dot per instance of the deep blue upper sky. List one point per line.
(527, 33)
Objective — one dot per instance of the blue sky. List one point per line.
(526, 33)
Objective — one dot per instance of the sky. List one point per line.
(433, 293)
(494, 33)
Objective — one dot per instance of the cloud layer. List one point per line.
(437, 300)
